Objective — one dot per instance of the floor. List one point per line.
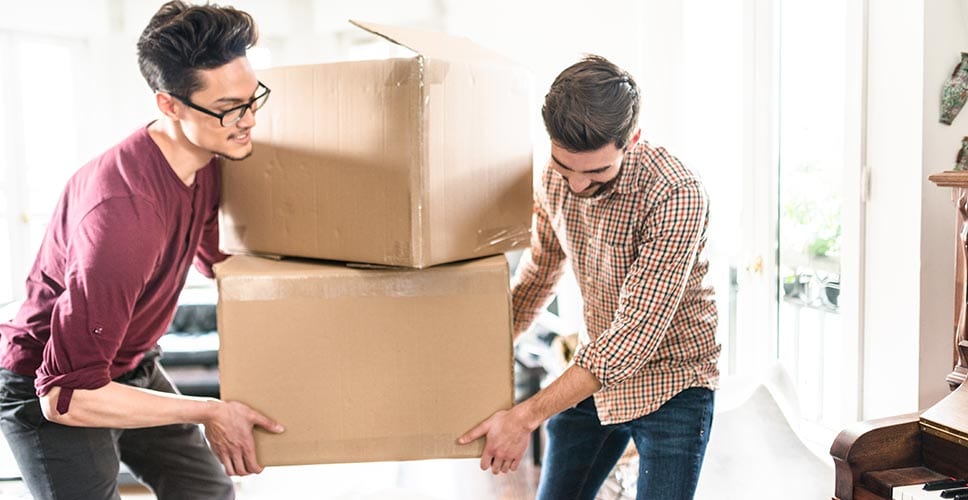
(420, 480)
(752, 450)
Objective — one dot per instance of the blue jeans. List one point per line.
(671, 442)
(62, 462)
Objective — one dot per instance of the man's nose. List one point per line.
(579, 183)
(248, 119)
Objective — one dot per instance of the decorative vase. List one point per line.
(831, 293)
(955, 91)
(961, 162)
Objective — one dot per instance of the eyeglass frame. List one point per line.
(221, 116)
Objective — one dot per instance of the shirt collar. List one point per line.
(630, 177)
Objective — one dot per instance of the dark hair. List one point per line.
(591, 104)
(181, 39)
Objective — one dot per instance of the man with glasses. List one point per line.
(80, 386)
(631, 221)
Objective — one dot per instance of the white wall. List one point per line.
(894, 155)
(913, 47)
(945, 36)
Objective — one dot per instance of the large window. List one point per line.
(712, 144)
(6, 262)
(813, 99)
(38, 134)
(48, 125)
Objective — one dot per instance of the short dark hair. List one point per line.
(181, 39)
(592, 103)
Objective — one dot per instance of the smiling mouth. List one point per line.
(242, 137)
(589, 191)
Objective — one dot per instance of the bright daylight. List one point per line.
(445, 250)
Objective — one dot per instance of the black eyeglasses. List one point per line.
(234, 115)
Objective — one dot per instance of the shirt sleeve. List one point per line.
(652, 291)
(207, 254)
(538, 272)
(111, 254)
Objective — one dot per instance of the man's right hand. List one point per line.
(229, 434)
(228, 424)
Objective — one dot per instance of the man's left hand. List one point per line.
(505, 436)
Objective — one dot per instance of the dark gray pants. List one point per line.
(61, 462)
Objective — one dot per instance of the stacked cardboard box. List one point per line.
(416, 162)
(365, 364)
(403, 162)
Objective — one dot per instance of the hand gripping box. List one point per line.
(365, 364)
(407, 162)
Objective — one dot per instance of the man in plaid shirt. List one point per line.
(631, 220)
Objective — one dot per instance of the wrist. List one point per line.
(207, 411)
(526, 414)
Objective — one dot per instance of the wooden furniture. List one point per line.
(958, 182)
(873, 457)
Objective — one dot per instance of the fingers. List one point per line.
(473, 434)
(240, 461)
(231, 438)
(268, 423)
(486, 459)
(509, 465)
(233, 462)
(238, 464)
(227, 463)
(271, 425)
(498, 465)
(241, 464)
(502, 444)
(251, 462)
(257, 418)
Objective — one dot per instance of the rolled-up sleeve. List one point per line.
(111, 255)
(653, 288)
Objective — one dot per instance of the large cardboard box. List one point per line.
(365, 364)
(408, 162)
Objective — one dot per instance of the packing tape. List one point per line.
(509, 238)
(346, 282)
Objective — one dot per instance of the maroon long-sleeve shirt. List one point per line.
(114, 258)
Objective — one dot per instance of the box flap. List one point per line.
(435, 45)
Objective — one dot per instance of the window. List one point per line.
(711, 97)
(39, 138)
(49, 125)
(813, 100)
(6, 214)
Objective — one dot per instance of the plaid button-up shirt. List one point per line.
(637, 252)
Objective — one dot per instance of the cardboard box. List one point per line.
(365, 364)
(407, 162)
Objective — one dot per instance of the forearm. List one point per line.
(573, 386)
(537, 274)
(124, 407)
(528, 301)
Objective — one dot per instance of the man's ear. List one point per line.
(636, 136)
(166, 104)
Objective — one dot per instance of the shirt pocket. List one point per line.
(613, 256)
(618, 246)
